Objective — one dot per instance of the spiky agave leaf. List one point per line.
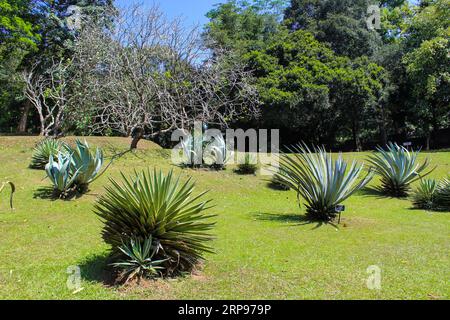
(87, 163)
(60, 174)
(13, 189)
(423, 196)
(158, 205)
(43, 150)
(321, 182)
(249, 165)
(218, 152)
(398, 168)
(442, 198)
(193, 148)
(138, 260)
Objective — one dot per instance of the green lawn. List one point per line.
(264, 250)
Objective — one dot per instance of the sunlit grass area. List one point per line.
(264, 248)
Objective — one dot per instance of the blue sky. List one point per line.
(193, 11)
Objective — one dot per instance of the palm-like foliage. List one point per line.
(322, 182)
(61, 175)
(398, 168)
(139, 260)
(160, 206)
(87, 163)
(424, 195)
(13, 189)
(442, 198)
(43, 151)
(248, 166)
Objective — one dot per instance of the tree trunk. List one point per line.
(22, 126)
(137, 134)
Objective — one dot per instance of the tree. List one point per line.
(151, 75)
(48, 92)
(340, 23)
(243, 26)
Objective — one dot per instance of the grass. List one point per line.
(264, 248)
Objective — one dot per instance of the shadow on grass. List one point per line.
(372, 192)
(294, 219)
(96, 268)
(276, 186)
(48, 193)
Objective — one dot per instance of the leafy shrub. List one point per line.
(423, 196)
(249, 166)
(431, 195)
(277, 182)
(158, 206)
(85, 163)
(322, 182)
(138, 259)
(43, 150)
(61, 175)
(13, 189)
(398, 168)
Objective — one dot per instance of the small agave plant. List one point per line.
(398, 168)
(85, 163)
(61, 175)
(13, 189)
(322, 182)
(424, 195)
(43, 150)
(138, 259)
(443, 195)
(249, 165)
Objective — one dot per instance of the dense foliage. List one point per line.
(322, 182)
(398, 168)
(160, 206)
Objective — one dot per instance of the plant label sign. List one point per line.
(340, 208)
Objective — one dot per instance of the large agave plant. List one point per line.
(398, 168)
(424, 195)
(138, 261)
(87, 163)
(217, 149)
(322, 182)
(157, 205)
(43, 150)
(61, 175)
(13, 189)
(193, 148)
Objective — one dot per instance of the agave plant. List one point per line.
(43, 150)
(13, 189)
(139, 260)
(193, 148)
(442, 198)
(398, 168)
(86, 163)
(160, 206)
(217, 149)
(248, 166)
(322, 182)
(277, 182)
(424, 195)
(61, 175)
